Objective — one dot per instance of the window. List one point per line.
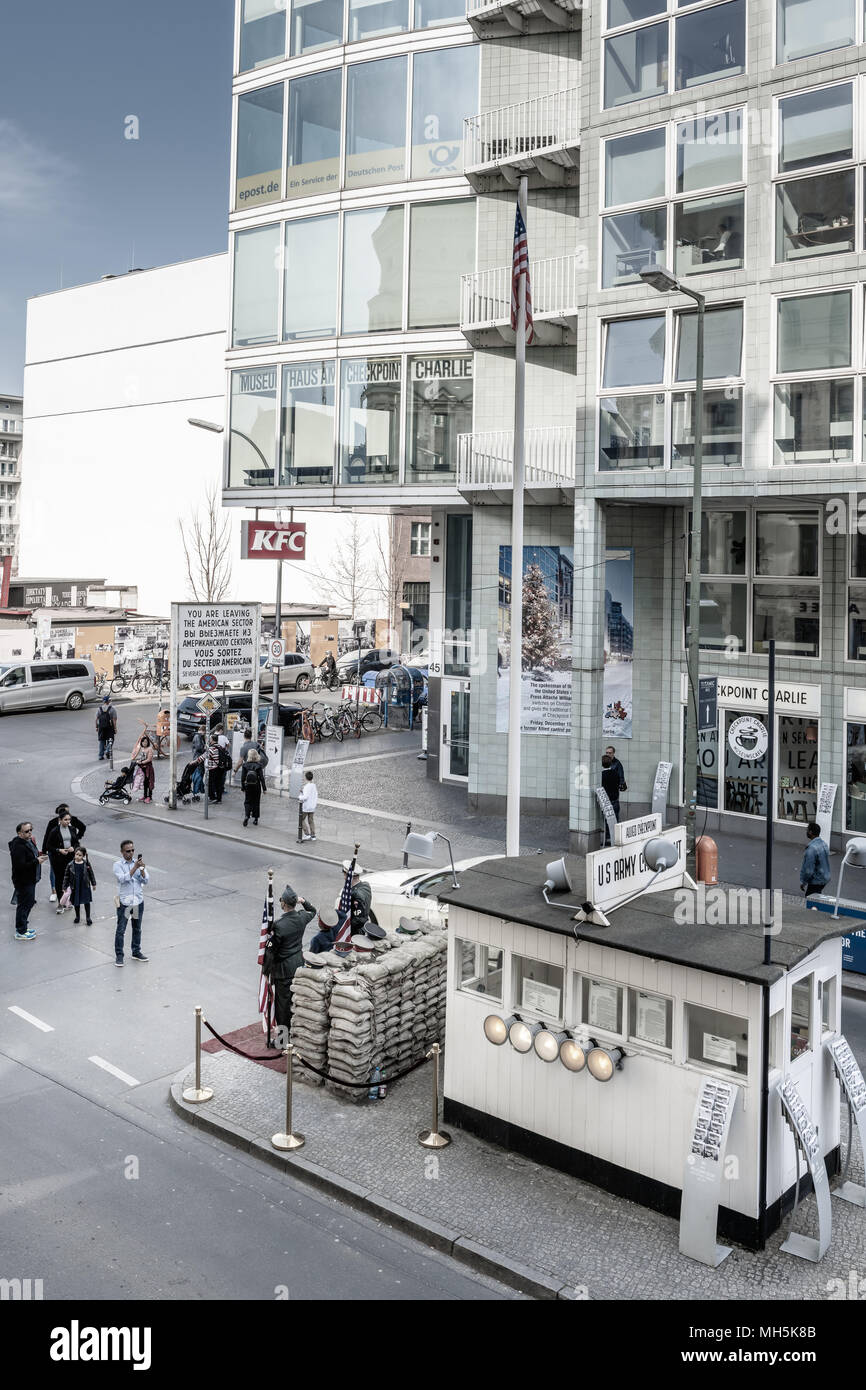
(373, 270)
(260, 147)
(804, 27)
(857, 602)
(814, 414)
(716, 1040)
(315, 24)
(696, 234)
(440, 409)
(256, 287)
(48, 671)
(601, 1005)
(797, 769)
(650, 1018)
(73, 672)
(636, 65)
(537, 987)
(310, 293)
(420, 538)
(827, 995)
(706, 45)
(711, 44)
(458, 596)
(263, 33)
(416, 606)
(13, 677)
(372, 19)
(855, 773)
(376, 123)
(429, 13)
(308, 423)
(814, 332)
(444, 90)
(479, 969)
(253, 436)
(370, 419)
(314, 134)
(816, 215)
(442, 248)
(634, 351)
(801, 1016)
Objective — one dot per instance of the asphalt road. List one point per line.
(104, 1193)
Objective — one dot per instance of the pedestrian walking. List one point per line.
(617, 766)
(247, 746)
(79, 882)
(815, 869)
(132, 879)
(142, 756)
(77, 825)
(252, 786)
(26, 867)
(106, 725)
(218, 763)
(288, 936)
(308, 801)
(61, 845)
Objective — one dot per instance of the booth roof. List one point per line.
(511, 889)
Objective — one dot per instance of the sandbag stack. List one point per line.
(311, 995)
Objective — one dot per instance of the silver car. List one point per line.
(41, 684)
(296, 673)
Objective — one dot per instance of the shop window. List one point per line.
(260, 147)
(315, 24)
(373, 270)
(815, 216)
(263, 33)
(745, 778)
(310, 293)
(804, 27)
(709, 233)
(307, 433)
(632, 241)
(314, 134)
(855, 774)
(827, 994)
(440, 409)
(709, 151)
(253, 435)
(711, 44)
(370, 420)
(797, 769)
(634, 167)
(650, 1018)
(373, 19)
(816, 127)
(814, 332)
(441, 249)
(813, 421)
(479, 969)
(376, 123)
(632, 431)
(255, 310)
(601, 1004)
(636, 65)
(444, 88)
(801, 1016)
(537, 986)
(716, 1040)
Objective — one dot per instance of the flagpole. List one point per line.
(512, 812)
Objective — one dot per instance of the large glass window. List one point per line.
(458, 596)
(255, 309)
(745, 778)
(444, 90)
(263, 33)
(634, 167)
(804, 27)
(260, 147)
(315, 24)
(429, 13)
(723, 343)
(797, 769)
(709, 151)
(709, 233)
(711, 44)
(631, 11)
(307, 434)
(855, 776)
(370, 420)
(441, 249)
(634, 352)
(717, 1040)
(632, 241)
(314, 134)
(311, 270)
(632, 431)
(816, 127)
(373, 270)
(376, 123)
(792, 614)
(814, 332)
(479, 969)
(537, 986)
(722, 440)
(440, 408)
(636, 65)
(815, 216)
(371, 19)
(814, 421)
(801, 1016)
(253, 436)
(857, 602)
(724, 615)
(786, 543)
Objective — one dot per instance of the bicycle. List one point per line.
(161, 743)
(102, 682)
(323, 681)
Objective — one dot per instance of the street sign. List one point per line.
(217, 639)
(207, 704)
(708, 698)
(271, 540)
(277, 648)
(208, 682)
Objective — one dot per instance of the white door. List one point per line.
(454, 755)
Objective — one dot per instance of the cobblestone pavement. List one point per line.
(566, 1229)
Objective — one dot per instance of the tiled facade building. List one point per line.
(11, 431)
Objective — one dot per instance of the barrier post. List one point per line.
(288, 1140)
(195, 1095)
(434, 1138)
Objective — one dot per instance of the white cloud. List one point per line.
(32, 177)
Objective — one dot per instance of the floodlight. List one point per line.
(496, 1028)
(547, 1044)
(660, 854)
(602, 1062)
(522, 1035)
(572, 1055)
(855, 853)
(422, 847)
(558, 879)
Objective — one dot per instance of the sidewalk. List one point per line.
(532, 1227)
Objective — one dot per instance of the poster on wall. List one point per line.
(59, 645)
(548, 595)
(618, 642)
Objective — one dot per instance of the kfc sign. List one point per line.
(271, 540)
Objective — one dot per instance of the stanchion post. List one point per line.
(435, 1138)
(288, 1140)
(195, 1095)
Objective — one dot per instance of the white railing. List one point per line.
(525, 129)
(487, 460)
(485, 296)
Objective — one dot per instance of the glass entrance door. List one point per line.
(455, 762)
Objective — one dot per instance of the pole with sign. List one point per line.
(207, 704)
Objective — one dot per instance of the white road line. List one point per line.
(29, 1018)
(115, 1071)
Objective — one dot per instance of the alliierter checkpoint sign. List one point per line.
(217, 639)
(274, 540)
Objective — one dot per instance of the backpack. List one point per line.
(250, 776)
(268, 960)
(105, 719)
(224, 758)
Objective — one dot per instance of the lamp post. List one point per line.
(666, 283)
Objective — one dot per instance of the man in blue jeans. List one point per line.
(132, 878)
(26, 860)
(815, 869)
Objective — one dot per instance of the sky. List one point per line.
(77, 199)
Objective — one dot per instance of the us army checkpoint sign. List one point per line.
(220, 639)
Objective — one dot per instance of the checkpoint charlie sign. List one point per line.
(219, 639)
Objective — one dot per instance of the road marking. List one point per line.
(101, 854)
(29, 1018)
(362, 758)
(115, 1071)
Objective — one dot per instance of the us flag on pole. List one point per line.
(520, 269)
(266, 989)
(344, 909)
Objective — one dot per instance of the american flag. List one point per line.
(266, 989)
(344, 910)
(519, 269)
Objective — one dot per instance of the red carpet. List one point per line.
(253, 1043)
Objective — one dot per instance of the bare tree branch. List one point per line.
(207, 551)
(348, 582)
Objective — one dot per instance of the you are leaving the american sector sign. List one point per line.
(217, 638)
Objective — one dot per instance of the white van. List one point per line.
(41, 684)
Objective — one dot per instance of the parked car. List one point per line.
(189, 716)
(296, 673)
(398, 893)
(42, 684)
(359, 663)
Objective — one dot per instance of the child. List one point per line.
(80, 879)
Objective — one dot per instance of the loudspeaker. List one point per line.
(558, 880)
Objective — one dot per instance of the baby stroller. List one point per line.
(184, 786)
(117, 790)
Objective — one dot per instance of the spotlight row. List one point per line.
(600, 1062)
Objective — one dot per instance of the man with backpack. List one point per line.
(106, 725)
(252, 786)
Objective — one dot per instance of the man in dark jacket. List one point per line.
(77, 825)
(362, 897)
(106, 725)
(288, 957)
(26, 860)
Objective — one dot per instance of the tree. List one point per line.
(207, 551)
(392, 550)
(540, 622)
(348, 582)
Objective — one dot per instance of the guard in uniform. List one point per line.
(288, 936)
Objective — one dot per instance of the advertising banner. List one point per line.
(548, 597)
(272, 540)
(618, 642)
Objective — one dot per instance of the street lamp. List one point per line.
(665, 282)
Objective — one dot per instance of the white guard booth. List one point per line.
(672, 996)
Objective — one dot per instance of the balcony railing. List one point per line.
(485, 462)
(540, 136)
(485, 303)
(495, 18)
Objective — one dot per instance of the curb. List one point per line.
(462, 1248)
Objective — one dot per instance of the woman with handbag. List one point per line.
(61, 844)
(78, 885)
(142, 756)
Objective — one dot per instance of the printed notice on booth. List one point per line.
(217, 638)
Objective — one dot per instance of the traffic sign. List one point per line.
(277, 648)
(708, 694)
(207, 704)
(208, 682)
